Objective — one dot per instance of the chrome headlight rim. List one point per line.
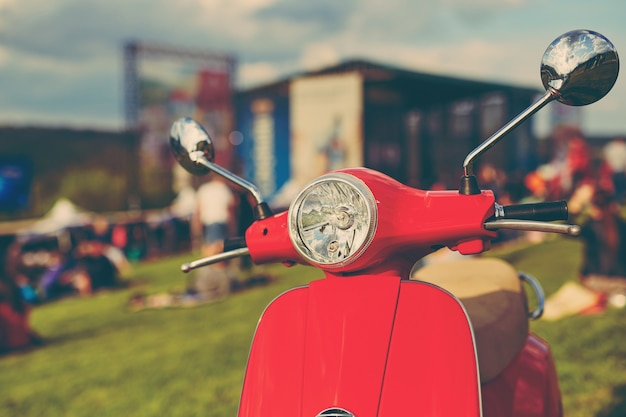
(357, 186)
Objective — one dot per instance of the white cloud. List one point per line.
(231, 18)
(471, 58)
(62, 41)
(318, 55)
(235, 6)
(6, 3)
(257, 73)
(479, 4)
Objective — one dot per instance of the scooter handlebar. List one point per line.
(233, 243)
(532, 217)
(546, 212)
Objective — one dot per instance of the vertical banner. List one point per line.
(264, 150)
(326, 114)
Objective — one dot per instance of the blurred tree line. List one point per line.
(97, 170)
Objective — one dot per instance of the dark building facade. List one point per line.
(415, 127)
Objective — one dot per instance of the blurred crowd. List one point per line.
(90, 258)
(592, 179)
(77, 259)
(39, 270)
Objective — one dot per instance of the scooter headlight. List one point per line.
(333, 220)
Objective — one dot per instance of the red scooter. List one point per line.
(369, 341)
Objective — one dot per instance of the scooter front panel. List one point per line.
(371, 345)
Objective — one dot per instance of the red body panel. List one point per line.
(528, 387)
(376, 346)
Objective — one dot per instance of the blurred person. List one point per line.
(80, 272)
(537, 188)
(614, 154)
(214, 212)
(182, 210)
(100, 230)
(578, 167)
(103, 242)
(15, 329)
(215, 217)
(102, 238)
(573, 172)
(136, 243)
(94, 269)
(92, 265)
(51, 285)
(603, 232)
(184, 204)
(492, 178)
(13, 267)
(570, 166)
(119, 237)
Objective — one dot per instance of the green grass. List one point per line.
(101, 359)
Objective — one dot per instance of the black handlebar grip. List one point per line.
(545, 212)
(234, 243)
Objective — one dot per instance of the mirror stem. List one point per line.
(495, 138)
(261, 210)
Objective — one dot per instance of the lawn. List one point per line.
(102, 359)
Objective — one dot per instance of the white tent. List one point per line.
(62, 215)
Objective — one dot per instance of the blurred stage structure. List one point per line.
(163, 83)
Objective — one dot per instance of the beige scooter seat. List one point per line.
(492, 294)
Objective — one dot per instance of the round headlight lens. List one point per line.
(333, 220)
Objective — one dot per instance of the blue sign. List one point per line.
(15, 183)
(265, 147)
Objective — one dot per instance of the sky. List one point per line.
(61, 61)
